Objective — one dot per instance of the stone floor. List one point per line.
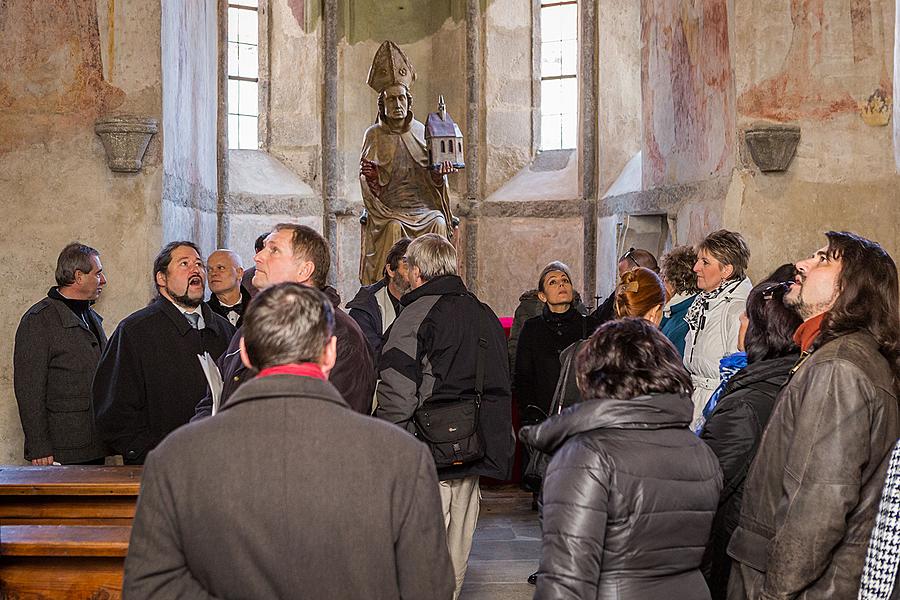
(505, 549)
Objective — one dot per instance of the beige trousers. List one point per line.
(461, 502)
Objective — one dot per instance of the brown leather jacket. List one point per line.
(812, 492)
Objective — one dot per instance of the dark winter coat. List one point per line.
(370, 314)
(812, 492)
(217, 307)
(733, 432)
(431, 349)
(674, 326)
(54, 360)
(287, 493)
(353, 374)
(149, 377)
(530, 306)
(542, 340)
(627, 503)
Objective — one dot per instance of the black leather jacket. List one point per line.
(628, 500)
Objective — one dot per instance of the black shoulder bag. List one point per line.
(450, 424)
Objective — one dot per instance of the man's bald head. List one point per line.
(225, 272)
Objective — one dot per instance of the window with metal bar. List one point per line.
(559, 74)
(243, 74)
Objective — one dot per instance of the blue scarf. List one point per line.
(728, 366)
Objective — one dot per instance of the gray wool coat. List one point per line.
(54, 361)
(289, 493)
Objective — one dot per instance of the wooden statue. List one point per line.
(402, 195)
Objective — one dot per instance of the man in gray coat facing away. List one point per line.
(288, 492)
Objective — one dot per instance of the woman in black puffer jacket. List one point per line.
(630, 494)
(735, 426)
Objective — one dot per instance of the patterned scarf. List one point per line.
(701, 303)
(884, 545)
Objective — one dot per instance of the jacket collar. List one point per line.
(774, 370)
(362, 299)
(181, 323)
(552, 317)
(657, 411)
(285, 386)
(439, 286)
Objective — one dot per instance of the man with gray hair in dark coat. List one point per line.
(432, 355)
(288, 492)
(58, 345)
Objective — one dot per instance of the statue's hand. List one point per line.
(369, 170)
(445, 168)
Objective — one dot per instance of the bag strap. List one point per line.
(482, 351)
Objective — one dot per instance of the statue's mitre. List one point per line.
(390, 67)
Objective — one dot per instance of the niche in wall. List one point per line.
(650, 232)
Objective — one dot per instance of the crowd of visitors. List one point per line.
(699, 436)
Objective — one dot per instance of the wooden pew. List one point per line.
(62, 562)
(68, 495)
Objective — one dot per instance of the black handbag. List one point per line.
(450, 424)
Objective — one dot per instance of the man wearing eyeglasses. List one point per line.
(812, 492)
(633, 258)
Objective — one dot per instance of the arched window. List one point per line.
(243, 74)
(559, 74)
(443, 148)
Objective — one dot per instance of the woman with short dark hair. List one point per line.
(735, 426)
(714, 316)
(630, 494)
(677, 272)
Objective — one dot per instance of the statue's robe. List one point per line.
(411, 204)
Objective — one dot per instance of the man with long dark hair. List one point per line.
(812, 492)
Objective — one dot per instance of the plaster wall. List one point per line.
(508, 101)
(189, 72)
(688, 91)
(512, 252)
(825, 67)
(619, 71)
(54, 182)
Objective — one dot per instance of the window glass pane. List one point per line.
(569, 52)
(551, 59)
(568, 91)
(247, 134)
(232, 59)
(248, 27)
(232, 132)
(233, 24)
(232, 96)
(248, 61)
(248, 104)
(550, 132)
(559, 23)
(569, 132)
(551, 101)
(552, 24)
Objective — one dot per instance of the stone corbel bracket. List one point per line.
(125, 138)
(772, 145)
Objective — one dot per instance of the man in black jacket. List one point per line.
(227, 296)
(288, 493)
(149, 377)
(432, 350)
(298, 254)
(376, 306)
(58, 345)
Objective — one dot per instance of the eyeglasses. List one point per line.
(776, 288)
(630, 256)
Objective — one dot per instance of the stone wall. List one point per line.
(189, 67)
(65, 63)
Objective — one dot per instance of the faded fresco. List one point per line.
(848, 38)
(688, 91)
(51, 70)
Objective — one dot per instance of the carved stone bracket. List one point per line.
(125, 139)
(772, 145)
